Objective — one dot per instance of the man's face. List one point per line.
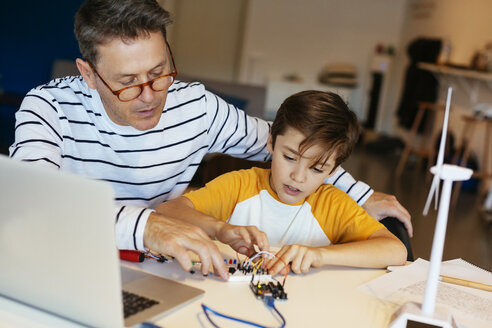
(295, 176)
(123, 64)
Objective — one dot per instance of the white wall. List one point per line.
(206, 37)
(283, 37)
(299, 37)
(465, 23)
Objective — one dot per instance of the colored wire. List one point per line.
(260, 253)
(158, 257)
(270, 303)
(257, 266)
(249, 261)
(152, 256)
(149, 325)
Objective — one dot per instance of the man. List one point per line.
(127, 121)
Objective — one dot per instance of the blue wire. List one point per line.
(279, 314)
(270, 303)
(149, 325)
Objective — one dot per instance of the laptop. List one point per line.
(58, 251)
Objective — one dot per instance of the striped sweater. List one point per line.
(63, 125)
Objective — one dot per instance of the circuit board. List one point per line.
(264, 289)
(262, 284)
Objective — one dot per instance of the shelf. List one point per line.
(469, 80)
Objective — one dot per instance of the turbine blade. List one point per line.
(442, 145)
(432, 192)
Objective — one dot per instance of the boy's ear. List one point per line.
(270, 144)
(86, 72)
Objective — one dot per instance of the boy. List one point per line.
(313, 223)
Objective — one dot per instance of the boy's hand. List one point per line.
(242, 238)
(300, 257)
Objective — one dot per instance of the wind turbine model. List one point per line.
(410, 314)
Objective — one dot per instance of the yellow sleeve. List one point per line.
(341, 218)
(219, 197)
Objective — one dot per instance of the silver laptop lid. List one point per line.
(57, 246)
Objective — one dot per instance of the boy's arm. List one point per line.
(240, 238)
(381, 249)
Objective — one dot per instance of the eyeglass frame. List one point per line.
(141, 85)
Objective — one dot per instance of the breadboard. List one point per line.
(239, 276)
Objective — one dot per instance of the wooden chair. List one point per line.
(426, 148)
(484, 173)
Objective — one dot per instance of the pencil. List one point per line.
(466, 283)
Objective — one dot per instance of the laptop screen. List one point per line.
(57, 244)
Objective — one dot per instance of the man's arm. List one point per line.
(39, 139)
(235, 133)
(381, 249)
(358, 190)
(38, 136)
(381, 205)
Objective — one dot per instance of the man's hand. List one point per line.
(175, 237)
(242, 238)
(381, 205)
(301, 258)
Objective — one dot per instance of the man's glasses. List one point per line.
(159, 83)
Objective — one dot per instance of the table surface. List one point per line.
(327, 295)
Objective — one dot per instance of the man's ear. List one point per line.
(86, 72)
(270, 144)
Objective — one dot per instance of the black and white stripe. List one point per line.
(358, 190)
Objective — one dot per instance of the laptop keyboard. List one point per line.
(133, 303)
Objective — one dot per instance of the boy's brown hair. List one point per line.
(324, 119)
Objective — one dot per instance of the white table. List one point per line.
(324, 297)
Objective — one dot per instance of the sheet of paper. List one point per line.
(470, 307)
(459, 268)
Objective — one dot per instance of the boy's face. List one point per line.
(294, 177)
